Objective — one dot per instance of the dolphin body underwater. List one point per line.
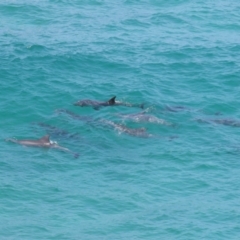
(137, 132)
(75, 116)
(57, 132)
(143, 117)
(178, 109)
(226, 122)
(111, 102)
(43, 142)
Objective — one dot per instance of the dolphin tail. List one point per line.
(11, 140)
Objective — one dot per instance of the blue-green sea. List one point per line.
(180, 59)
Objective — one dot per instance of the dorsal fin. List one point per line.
(112, 101)
(45, 138)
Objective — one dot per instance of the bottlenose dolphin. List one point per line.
(74, 115)
(57, 132)
(111, 102)
(43, 142)
(177, 109)
(137, 132)
(226, 122)
(143, 117)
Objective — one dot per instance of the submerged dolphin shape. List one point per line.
(111, 102)
(137, 132)
(143, 117)
(226, 122)
(75, 116)
(177, 108)
(43, 142)
(57, 132)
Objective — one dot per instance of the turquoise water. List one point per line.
(181, 183)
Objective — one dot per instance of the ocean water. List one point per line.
(181, 59)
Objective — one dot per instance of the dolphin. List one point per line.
(75, 116)
(111, 102)
(57, 132)
(143, 117)
(177, 108)
(137, 132)
(43, 142)
(226, 122)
